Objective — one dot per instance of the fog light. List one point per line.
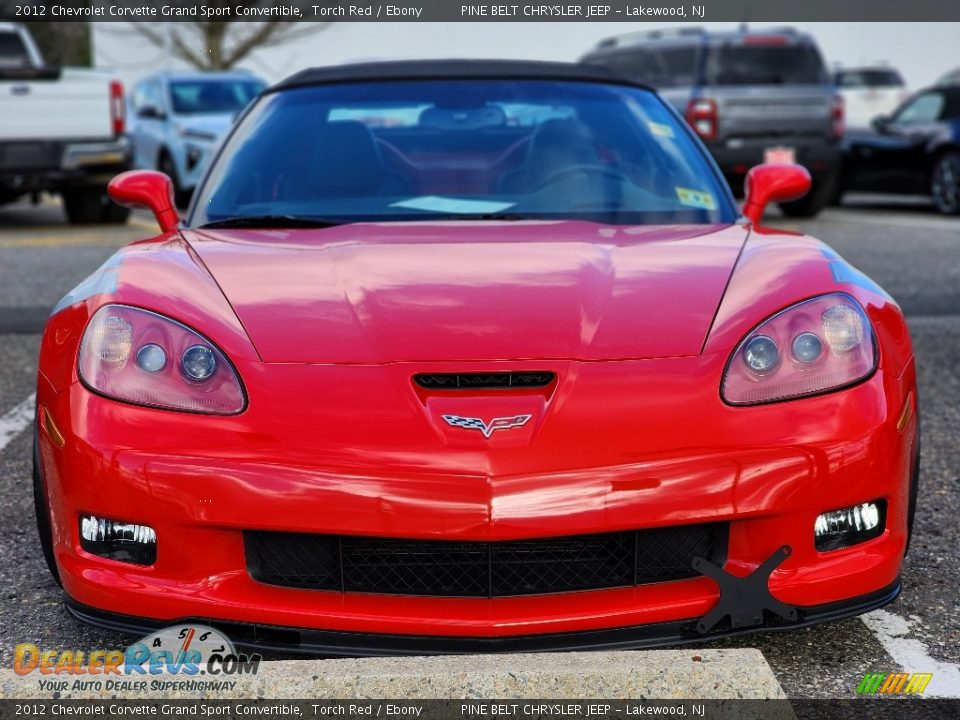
(193, 156)
(849, 526)
(121, 541)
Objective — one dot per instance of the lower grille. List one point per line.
(482, 569)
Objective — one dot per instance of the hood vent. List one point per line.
(480, 381)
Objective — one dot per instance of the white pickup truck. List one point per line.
(62, 131)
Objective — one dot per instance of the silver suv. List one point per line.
(751, 96)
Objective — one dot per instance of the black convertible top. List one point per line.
(453, 70)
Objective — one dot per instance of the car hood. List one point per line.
(469, 291)
(213, 124)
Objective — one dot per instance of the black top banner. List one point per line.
(655, 11)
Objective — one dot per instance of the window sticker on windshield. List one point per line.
(696, 198)
(660, 130)
(435, 203)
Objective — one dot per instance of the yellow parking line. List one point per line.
(145, 224)
(63, 241)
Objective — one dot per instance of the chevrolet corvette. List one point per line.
(454, 356)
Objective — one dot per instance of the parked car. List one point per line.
(869, 92)
(950, 78)
(914, 151)
(179, 118)
(750, 95)
(440, 347)
(62, 131)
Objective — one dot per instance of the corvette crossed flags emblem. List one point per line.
(487, 428)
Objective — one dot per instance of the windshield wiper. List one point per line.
(271, 221)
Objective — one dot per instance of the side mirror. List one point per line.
(149, 112)
(880, 123)
(771, 183)
(147, 189)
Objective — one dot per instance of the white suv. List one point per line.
(869, 92)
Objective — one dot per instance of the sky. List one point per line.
(921, 51)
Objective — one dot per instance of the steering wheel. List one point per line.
(561, 174)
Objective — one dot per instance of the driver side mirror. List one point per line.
(880, 123)
(150, 112)
(147, 189)
(772, 183)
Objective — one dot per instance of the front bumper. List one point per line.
(366, 461)
(34, 166)
(325, 642)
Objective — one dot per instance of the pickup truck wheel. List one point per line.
(88, 205)
(945, 183)
(114, 214)
(814, 201)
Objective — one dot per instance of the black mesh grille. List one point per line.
(482, 569)
(473, 381)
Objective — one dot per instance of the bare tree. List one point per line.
(219, 45)
(63, 43)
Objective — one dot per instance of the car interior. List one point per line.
(493, 155)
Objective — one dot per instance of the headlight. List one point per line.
(140, 357)
(812, 347)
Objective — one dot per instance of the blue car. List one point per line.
(178, 119)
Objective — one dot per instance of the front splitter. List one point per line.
(309, 641)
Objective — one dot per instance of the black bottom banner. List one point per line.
(479, 709)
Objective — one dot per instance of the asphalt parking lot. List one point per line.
(905, 246)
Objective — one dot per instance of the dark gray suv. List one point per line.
(751, 95)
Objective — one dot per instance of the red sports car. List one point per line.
(454, 356)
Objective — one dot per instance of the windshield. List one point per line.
(194, 97)
(759, 64)
(653, 66)
(868, 79)
(412, 150)
(13, 54)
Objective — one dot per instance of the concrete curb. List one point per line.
(653, 674)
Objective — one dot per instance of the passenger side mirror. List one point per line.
(147, 189)
(772, 183)
(880, 123)
(150, 112)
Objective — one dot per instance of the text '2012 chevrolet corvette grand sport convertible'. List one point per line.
(452, 356)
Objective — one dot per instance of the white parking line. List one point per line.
(912, 655)
(13, 423)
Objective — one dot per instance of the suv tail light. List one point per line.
(703, 118)
(766, 40)
(117, 111)
(838, 125)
